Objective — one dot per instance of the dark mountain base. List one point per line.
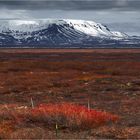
(73, 46)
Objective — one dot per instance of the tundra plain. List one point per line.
(107, 80)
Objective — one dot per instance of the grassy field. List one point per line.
(40, 88)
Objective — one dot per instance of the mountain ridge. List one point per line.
(61, 33)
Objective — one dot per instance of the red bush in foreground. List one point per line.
(71, 116)
(65, 115)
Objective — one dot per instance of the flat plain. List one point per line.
(106, 79)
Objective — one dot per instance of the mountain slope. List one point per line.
(60, 33)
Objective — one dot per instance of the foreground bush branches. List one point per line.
(71, 116)
(26, 122)
(65, 115)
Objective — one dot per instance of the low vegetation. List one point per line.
(59, 94)
(71, 116)
(64, 115)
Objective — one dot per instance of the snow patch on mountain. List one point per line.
(88, 27)
(120, 34)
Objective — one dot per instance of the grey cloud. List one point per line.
(71, 4)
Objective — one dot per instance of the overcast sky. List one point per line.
(121, 15)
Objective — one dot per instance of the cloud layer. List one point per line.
(71, 4)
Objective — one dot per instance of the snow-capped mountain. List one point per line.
(60, 33)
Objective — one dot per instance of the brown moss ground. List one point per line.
(109, 79)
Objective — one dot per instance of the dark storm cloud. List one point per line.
(71, 4)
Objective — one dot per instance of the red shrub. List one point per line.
(64, 114)
(70, 115)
